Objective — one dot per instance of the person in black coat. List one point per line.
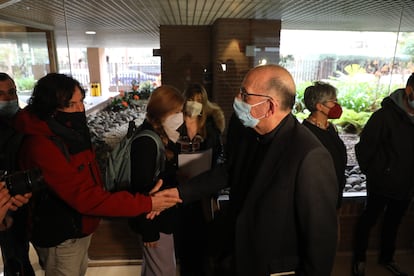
(385, 154)
(164, 117)
(282, 209)
(320, 99)
(14, 237)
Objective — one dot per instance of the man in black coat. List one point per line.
(385, 154)
(14, 238)
(283, 187)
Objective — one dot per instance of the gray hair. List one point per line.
(320, 92)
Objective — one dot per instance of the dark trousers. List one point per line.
(394, 211)
(191, 240)
(15, 246)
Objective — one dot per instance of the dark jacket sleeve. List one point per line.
(316, 198)
(203, 185)
(214, 140)
(370, 142)
(143, 160)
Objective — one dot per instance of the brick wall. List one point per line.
(197, 53)
(230, 39)
(185, 55)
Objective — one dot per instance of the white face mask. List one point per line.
(171, 124)
(193, 108)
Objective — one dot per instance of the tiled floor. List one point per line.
(405, 260)
(342, 266)
(106, 268)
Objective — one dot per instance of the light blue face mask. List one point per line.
(9, 108)
(243, 109)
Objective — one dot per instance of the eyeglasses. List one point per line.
(244, 94)
(332, 101)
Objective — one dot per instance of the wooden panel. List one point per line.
(113, 240)
(185, 55)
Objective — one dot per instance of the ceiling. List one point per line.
(135, 23)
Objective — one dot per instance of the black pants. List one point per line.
(15, 246)
(191, 240)
(394, 211)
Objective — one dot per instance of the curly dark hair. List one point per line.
(51, 92)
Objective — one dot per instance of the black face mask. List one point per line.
(75, 121)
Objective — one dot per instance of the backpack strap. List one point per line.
(160, 160)
(132, 129)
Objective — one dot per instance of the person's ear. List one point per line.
(408, 90)
(272, 108)
(319, 106)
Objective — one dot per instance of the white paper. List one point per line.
(192, 164)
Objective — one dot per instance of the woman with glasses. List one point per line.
(321, 100)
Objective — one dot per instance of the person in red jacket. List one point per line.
(67, 211)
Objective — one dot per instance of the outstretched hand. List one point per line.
(161, 200)
(5, 202)
(171, 192)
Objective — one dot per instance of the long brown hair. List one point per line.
(209, 108)
(163, 100)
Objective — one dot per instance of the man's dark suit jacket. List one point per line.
(288, 219)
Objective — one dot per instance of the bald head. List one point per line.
(275, 80)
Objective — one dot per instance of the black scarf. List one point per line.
(72, 128)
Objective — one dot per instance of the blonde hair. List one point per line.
(209, 108)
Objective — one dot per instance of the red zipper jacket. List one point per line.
(78, 181)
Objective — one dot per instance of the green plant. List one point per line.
(300, 89)
(362, 96)
(124, 100)
(352, 121)
(358, 100)
(25, 83)
(131, 99)
(145, 89)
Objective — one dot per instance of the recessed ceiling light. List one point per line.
(90, 32)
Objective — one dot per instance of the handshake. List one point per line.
(162, 200)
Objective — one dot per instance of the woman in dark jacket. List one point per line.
(320, 99)
(164, 116)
